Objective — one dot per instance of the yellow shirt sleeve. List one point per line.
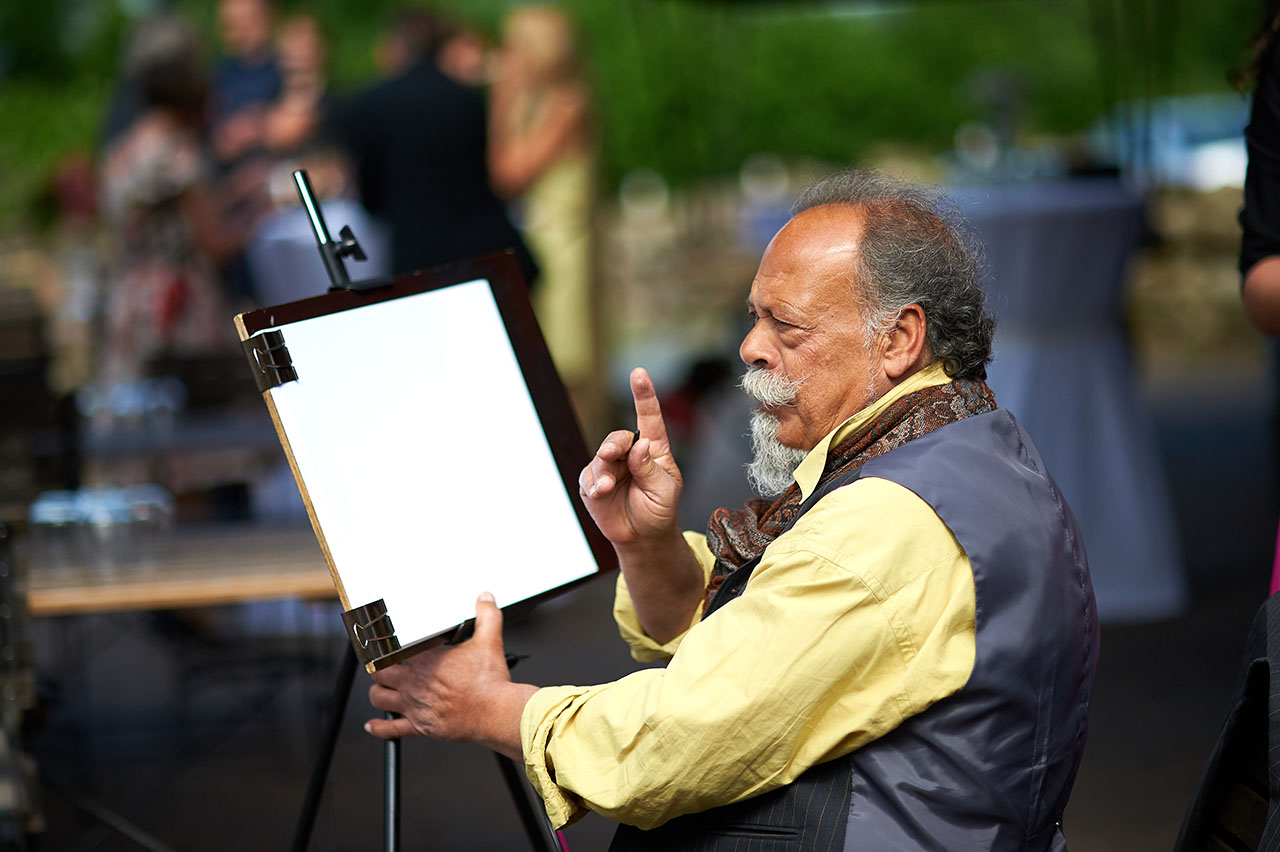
(857, 618)
(643, 648)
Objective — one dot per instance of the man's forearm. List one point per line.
(665, 582)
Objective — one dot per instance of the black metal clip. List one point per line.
(371, 632)
(364, 633)
(269, 359)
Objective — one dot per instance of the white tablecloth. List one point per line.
(1056, 256)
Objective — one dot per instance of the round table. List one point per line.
(1056, 255)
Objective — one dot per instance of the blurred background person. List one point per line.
(168, 227)
(465, 56)
(299, 132)
(1260, 216)
(293, 120)
(543, 153)
(416, 143)
(245, 81)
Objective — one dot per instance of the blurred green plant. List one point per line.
(692, 88)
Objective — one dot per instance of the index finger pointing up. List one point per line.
(648, 413)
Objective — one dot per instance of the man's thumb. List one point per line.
(488, 619)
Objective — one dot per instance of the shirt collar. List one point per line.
(810, 469)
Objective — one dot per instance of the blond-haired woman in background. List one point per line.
(542, 151)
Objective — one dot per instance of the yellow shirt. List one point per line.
(858, 617)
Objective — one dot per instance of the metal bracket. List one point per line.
(269, 359)
(371, 632)
(333, 251)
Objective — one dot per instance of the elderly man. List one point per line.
(897, 652)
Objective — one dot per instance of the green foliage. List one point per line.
(44, 122)
(29, 41)
(692, 88)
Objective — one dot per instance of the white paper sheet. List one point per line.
(424, 459)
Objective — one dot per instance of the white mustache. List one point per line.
(768, 387)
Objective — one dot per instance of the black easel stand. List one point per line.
(391, 791)
(329, 739)
(391, 776)
(368, 625)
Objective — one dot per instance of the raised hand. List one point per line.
(632, 486)
(632, 490)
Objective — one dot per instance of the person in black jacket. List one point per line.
(1260, 218)
(417, 143)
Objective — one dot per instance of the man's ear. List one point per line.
(905, 350)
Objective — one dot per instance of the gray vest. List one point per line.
(990, 767)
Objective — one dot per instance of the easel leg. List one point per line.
(391, 777)
(391, 786)
(529, 819)
(315, 789)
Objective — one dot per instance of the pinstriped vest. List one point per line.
(990, 767)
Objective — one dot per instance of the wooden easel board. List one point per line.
(434, 446)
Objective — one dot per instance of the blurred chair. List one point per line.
(38, 430)
(1237, 803)
(19, 801)
(37, 440)
(1056, 255)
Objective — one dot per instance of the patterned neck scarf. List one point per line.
(737, 536)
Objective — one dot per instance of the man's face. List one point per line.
(245, 26)
(809, 329)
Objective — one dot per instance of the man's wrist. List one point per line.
(498, 725)
(658, 547)
(665, 583)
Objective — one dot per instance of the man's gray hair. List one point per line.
(913, 251)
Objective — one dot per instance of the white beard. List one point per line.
(772, 467)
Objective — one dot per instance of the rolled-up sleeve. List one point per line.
(860, 616)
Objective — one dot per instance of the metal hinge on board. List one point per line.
(371, 632)
(269, 359)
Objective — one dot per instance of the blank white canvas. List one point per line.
(424, 459)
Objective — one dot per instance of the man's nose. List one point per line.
(755, 351)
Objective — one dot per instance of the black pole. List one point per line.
(532, 828)
(341, 692)
(338, 278)
(529, 819)
(391, 787)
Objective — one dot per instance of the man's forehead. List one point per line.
(815, 247)
(832, 219)
(820, 231)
